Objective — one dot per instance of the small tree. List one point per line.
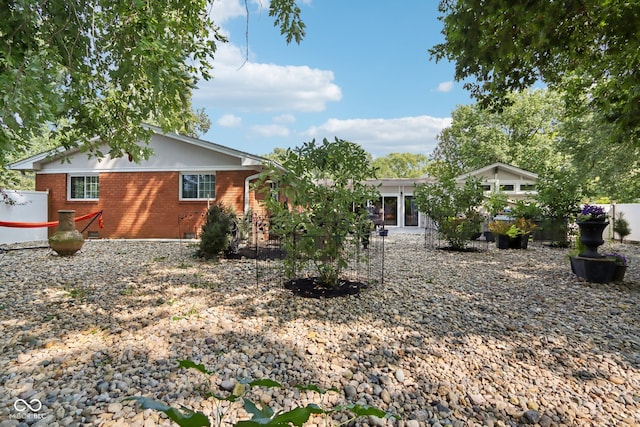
(217, 230)
(559, 194)
(454, 209)
(320, 194)
(621, 227)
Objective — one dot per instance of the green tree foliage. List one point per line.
(453, 208)
(401, 165)
(537, 133)
(277, 155)
(588, 46)
(559, 192)
(605, 170)
(523, 134)
(106, 67)
(321, 192)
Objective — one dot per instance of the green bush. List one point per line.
(217, 230)
(315, 210)
(621, 227)
(454, 209)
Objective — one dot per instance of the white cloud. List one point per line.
(229, 121)
(285, 118)
(224, 10)
(383, 136)
(445, 87)
(265, 87)
(270, 131)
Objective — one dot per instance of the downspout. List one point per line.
(246, 190)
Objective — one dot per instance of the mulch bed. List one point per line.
(312, 287)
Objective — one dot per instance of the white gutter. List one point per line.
(246, 190)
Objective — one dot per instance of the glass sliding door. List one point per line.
(390, 207)
(410, 212)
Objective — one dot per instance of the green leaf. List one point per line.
(311, 387)
(298, 416)
(188, 418)
(231, 398)
(190, 364)
(258, 414)
(366, 410)
(265, 382)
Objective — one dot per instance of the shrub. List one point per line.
(316, 209)
(621, 227)
(454, 209)
(217, 230)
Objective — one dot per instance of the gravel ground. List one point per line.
(491, 338)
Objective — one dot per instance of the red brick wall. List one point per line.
(143, 204)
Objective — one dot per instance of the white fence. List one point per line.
(31, 206)
(631, 213)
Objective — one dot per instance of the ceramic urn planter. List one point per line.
(67, 240)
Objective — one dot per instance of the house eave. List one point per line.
(524, 174)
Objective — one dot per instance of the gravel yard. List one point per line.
(491, 338)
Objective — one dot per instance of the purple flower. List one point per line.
(619, 258)
(592, 212)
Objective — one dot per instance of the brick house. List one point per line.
(166, 196)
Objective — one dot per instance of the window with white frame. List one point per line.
(197, 186)
(84, 187)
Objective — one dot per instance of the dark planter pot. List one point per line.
(383, 233)
(488, 236)
(597, 270)
(476, 236)
(502, 241)
(618, 274)
(591, 237)
(521, 241)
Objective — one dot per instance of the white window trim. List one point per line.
(200, 199)
(81, 175)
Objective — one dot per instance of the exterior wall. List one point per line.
(144, 204)
(631, 213)
(31, 206)
(169, 154)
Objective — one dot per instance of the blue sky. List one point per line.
(362, 73)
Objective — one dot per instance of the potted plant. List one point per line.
(621, 265)
(592, 222)
(586, 263)
(525, 228)
(502, 232)
(512, 235)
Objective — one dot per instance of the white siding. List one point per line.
(31, 206)
(169, 155)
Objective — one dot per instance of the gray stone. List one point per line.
(227, 385)
(350, 391)
(531, 417)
